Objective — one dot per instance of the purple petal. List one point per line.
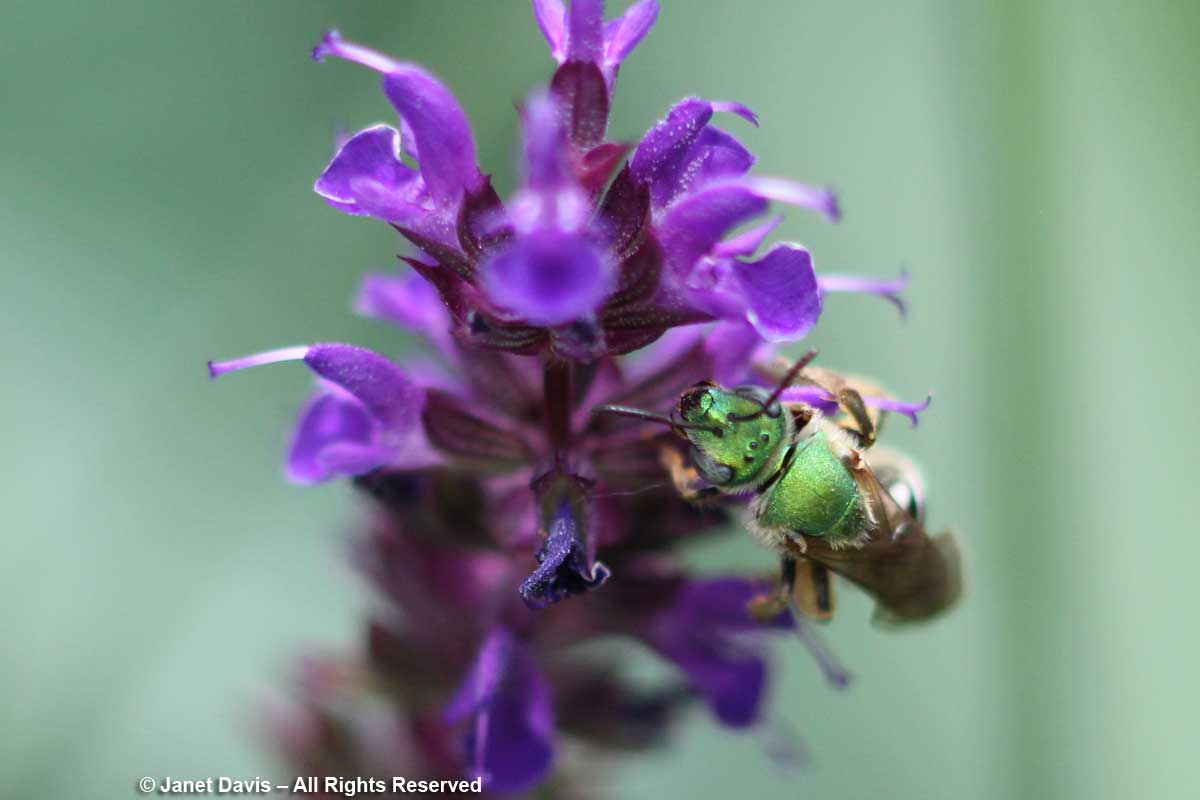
(367, 177)
(382, 387)
(585, 31)
(888, 289)
(909, 410)
(732, 107)
(549, 277)
(440, 130)
(710, 636)
(715, 156)
(329, 418)
(815, 396)
(410, 302)
(512, 743)
(564, 566)
(817, 198)
(666, 155)
(781, 291)
(747, 242)
(551, 19)
(691, 228)
(732, 347)
(545, 144)
(625, 32)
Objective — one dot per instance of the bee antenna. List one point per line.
(650, 416)
(790, 376)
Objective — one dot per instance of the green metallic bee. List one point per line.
(818, 499)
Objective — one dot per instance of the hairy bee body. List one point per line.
(814, 494)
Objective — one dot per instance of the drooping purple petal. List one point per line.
(549, 277)
(551, 19)
(511, 745)
(708, 634)
(564, 566)
(909, 410)
(887, 288)
(624, 33)
(368, 177)
(440, 130)
(330, 418)
(781, 292)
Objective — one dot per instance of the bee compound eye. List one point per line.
(712, 471)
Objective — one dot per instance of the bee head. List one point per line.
(733, 436)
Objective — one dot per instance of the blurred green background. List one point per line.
(1035, 165)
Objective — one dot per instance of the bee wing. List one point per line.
(911, 575)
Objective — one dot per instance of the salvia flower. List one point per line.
(616, 273)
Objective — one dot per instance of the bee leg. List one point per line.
(853, 403)
(813, 592)
(686, 479)
(767, 607)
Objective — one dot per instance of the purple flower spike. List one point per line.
(781, 291)
(511, 745)
(496, 483)
(710, 636)
(367, 177)
(888, 289)
(441, 132)
(564, 565)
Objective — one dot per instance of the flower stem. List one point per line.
(557, 392)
